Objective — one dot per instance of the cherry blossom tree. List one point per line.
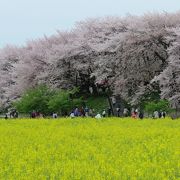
(169, 79)
(124, 55)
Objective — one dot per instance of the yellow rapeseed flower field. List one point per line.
(85, 148)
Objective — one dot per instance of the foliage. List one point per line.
(98, 103)
(45, 100)
(147, 94)
(162, 105)
(83, 148)
(63, 101)
(35, 99)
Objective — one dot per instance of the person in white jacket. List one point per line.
(98, 116)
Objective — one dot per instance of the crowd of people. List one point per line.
(159, 114)
(139, 114)
(13, 113)
(83, 112)
(36, 114)
(90, 112)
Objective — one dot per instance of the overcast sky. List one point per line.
(23, 20)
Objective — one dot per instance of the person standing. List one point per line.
(72, 115)
(86, 111)
(118, 111)
(125, 112)
(156, 114)
(16, 114)
(91, 113)
(109, 112)
(82, 112)
(33, 114)
(134, 114)
(159, 114)
(76, 112)
(6, 116)
(164, 114)
(141, 115)
(104, 113)
(54, 115)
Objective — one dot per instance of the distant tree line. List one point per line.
(135, 57)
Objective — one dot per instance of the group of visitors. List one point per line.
(86, 112)
(36, 114)
(82, 112)
(135, 113)
(90, 112)
(13, 113)
(159, 114)
(139, 114)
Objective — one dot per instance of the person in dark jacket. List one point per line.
(141, 115)
(160, 114)
(6, 116)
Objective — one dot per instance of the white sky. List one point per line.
(22, 20)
